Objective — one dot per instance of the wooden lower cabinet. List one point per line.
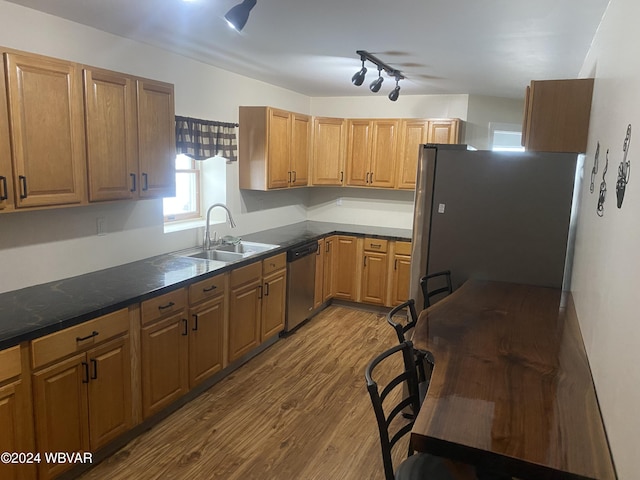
(83, 402)
(164, 347)
(206, 339)
(375, 271)
(346, 268)
(318, 297)
(16, 413)
(245, 294)
(400, 273)
(273, 303)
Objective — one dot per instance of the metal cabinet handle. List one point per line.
(341, 176)
(289, 177)
(168, 305)
(209, 289)
(371, 177)
(133, 182)
(82, 339)
(365, 260)
(23, 186)
(185, 323)
(295, 176)
(195, 322)
(5, 195)
(260, 294)
(375, 245)
(94, 364)
(145, 183)
(366, 178)
(395, 264)
(266, 289)
(85, 378)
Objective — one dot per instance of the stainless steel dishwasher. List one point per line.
(301, 278)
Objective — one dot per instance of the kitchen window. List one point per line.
(505, 137)
(186, 204)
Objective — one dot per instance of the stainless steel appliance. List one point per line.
(502, 216)
(301, 276)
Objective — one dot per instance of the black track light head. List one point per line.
(358, 77)
(395, 93)
(237, 17)
(377, 83)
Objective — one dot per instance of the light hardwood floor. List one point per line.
(298, 411)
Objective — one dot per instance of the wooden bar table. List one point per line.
(511, 389)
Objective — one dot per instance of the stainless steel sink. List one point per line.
(228, 253)
(245, 248)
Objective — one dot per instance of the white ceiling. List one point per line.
(485, 47)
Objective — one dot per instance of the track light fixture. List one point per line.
(237, 17)
(377, 83)
(393, 95)
(358, 77)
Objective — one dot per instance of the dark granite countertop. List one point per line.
(38, 310)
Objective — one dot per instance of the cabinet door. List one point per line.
(244, 318)
(61, 411)
(206, 340)
(318, 298)
(110, 119)
(329, 270)
(156, 139)
(6, 175)
(273, 304)
(109, 391)
(300, 148)
(12, 428)
(165, 359)
(327, 161)
(374, 277)
(444, 131)
(358, 152)
(413, 134)
(384, 153)
(401, 276)
(46, 116)
(346, 268)
(279, 149)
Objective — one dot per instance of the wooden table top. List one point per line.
(511, 388)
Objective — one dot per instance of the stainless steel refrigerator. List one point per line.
(503, 216)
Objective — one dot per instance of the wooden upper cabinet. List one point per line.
(273, 148)
(446, 130)
(46, 120)
(156, 139)
(358, 152)
(279, 149)
(372, 152)
(384, 153)
(6, 172)
(300, 149)
(111, 125)
(329, 138)
(413, 134)
(556, 117)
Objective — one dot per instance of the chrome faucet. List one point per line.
(206, 244)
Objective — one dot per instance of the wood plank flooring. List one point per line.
(300, 410)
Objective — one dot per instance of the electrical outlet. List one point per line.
(441, 208)
(101, 225)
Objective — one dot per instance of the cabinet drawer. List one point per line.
(271, 264)
(209, 288)
(163, 305)
(403, 248)
(376, 244)
(10, 363)
(75, 339)
(247, 274)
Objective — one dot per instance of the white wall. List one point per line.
(606, 274)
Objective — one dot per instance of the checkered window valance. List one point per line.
(202, 139)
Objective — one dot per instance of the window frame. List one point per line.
(179, 217)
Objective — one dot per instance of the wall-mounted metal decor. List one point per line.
(624, 169)
(594, 170)
(603, 187)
